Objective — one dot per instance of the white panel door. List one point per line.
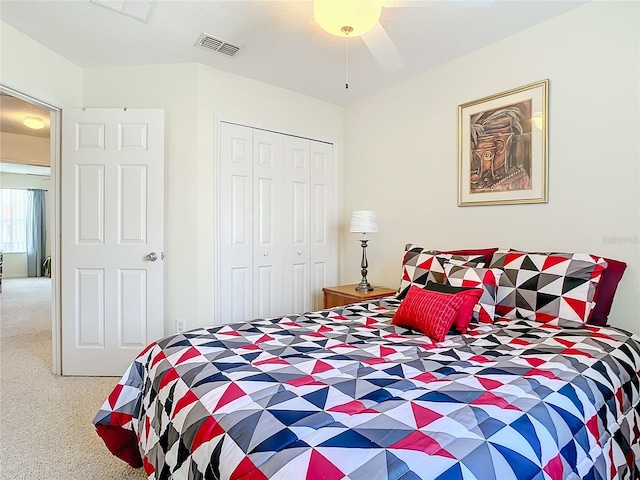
(296, 228)
(235, 224)
(112, 199)
(323, 234)
(267, 224)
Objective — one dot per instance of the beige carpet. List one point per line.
(45, 420)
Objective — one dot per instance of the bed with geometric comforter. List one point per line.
(344, 394)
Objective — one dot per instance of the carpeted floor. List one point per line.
(45, 420)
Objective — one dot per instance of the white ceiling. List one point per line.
(13, 111)
(281, 43)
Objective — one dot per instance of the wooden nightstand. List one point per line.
(346, 294)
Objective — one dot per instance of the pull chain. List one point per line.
(346, 30)
(346, 62)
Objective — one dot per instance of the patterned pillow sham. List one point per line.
(487, 252)
(420, 265)
(476, 277)
(554, 288)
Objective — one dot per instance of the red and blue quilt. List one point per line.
(343, 394)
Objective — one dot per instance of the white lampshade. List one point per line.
(363, 221)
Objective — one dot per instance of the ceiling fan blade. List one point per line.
(383, 49)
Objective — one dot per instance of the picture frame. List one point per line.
(502, 147)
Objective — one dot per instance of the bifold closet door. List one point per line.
(310, 229)
(323, 246)
(297, 271)
(235, 224)
(250, 232)
(270, 215)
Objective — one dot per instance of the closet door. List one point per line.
(235, 225)
(276, 227)
(323, 215)
(296, 228)
(269, 217)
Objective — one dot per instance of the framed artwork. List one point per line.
(502, 147)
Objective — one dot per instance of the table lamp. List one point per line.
(363, 221)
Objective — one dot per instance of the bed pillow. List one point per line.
(486, 252)
(420, 265)
(606, 290)
(485, 278)
(554, 288)
(465, 312)
(431, 313)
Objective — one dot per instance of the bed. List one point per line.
(351, 393)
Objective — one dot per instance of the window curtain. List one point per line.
(36, 232)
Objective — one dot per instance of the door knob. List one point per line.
(152, 257)
(299, 252)
(265, 253)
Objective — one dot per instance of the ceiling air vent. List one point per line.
(217, 45)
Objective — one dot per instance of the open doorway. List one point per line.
(29, 131)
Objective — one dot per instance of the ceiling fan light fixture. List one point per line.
(35, 123)
(359, 15)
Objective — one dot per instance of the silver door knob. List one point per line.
(299, 252)
(152, 257)
(265, 253)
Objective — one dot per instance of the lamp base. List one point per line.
(364, 286)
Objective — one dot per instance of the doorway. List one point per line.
(35, 151)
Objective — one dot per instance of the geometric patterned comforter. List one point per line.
(343, 394)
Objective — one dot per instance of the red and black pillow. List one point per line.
(434, 313)
(420, 266)
(485, 279)
(486, 252)
(554, 288)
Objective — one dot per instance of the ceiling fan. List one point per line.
(361, 18)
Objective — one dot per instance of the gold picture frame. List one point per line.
(502, 147)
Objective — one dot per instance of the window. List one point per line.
(13, 213)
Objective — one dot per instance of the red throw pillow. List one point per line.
(431, 313)
(465, 312)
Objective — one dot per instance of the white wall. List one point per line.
(25, 149)
(401, 145)
(15, 264)
(33, 69)
(246, 101)
(191, 95)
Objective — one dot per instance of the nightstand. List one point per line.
(346, 294)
